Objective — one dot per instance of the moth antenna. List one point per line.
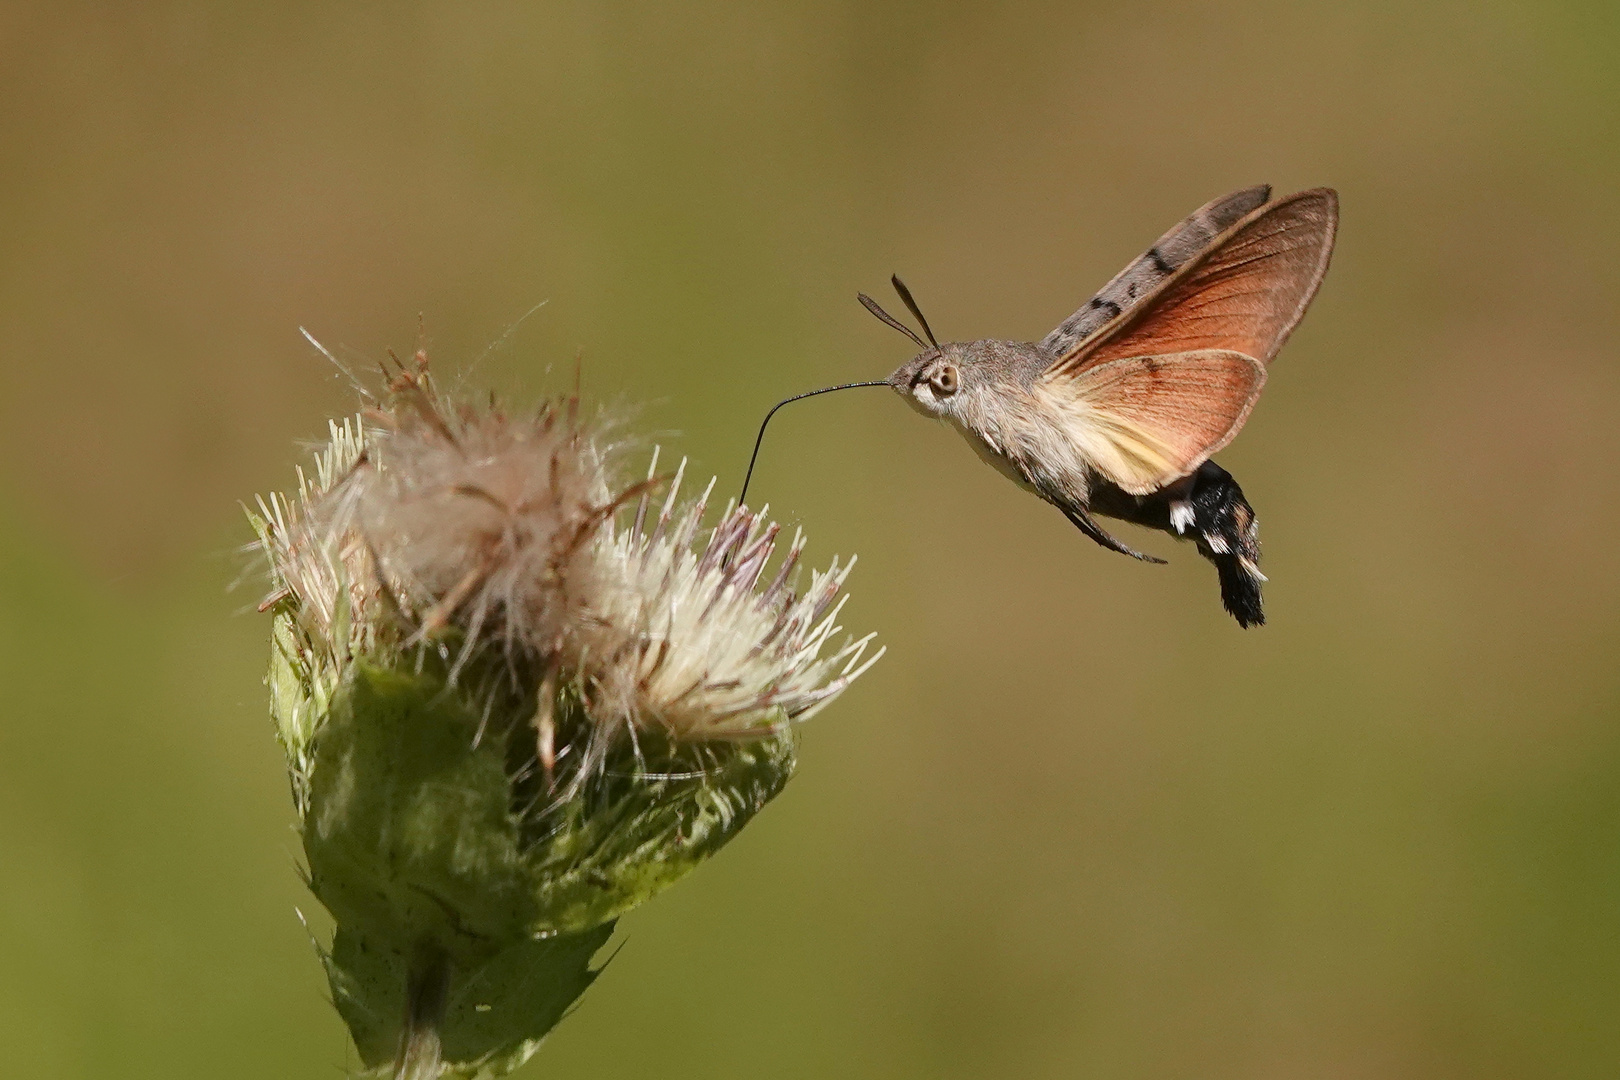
(905, 294)
(872, 306)
(800, 397)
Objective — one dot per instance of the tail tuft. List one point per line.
(1227, 534)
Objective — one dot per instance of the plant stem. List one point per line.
(427, 994)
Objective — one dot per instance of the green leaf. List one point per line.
(410, 835)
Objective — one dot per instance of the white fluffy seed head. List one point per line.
(428, 517)
(434, 524)
(476, 520)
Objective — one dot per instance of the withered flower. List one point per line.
(518, 697)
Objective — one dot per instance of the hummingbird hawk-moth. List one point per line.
(1118, 411)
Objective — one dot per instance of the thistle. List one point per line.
(518, 697)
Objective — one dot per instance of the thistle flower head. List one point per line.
(518, 697)
(688, 639)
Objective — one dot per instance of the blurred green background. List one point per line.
(1077, 823)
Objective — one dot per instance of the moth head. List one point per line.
(932, 382)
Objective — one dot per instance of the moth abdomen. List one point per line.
(1209, 508)
(1227, 534)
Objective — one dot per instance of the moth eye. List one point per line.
(945, 379)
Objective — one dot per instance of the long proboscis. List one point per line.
(796, 397)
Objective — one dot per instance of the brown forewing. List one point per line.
(1189, 238)
(1246, 293)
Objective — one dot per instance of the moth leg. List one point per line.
(1085, 524)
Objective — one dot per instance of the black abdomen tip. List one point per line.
(1240, 591)
(1228, 535)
